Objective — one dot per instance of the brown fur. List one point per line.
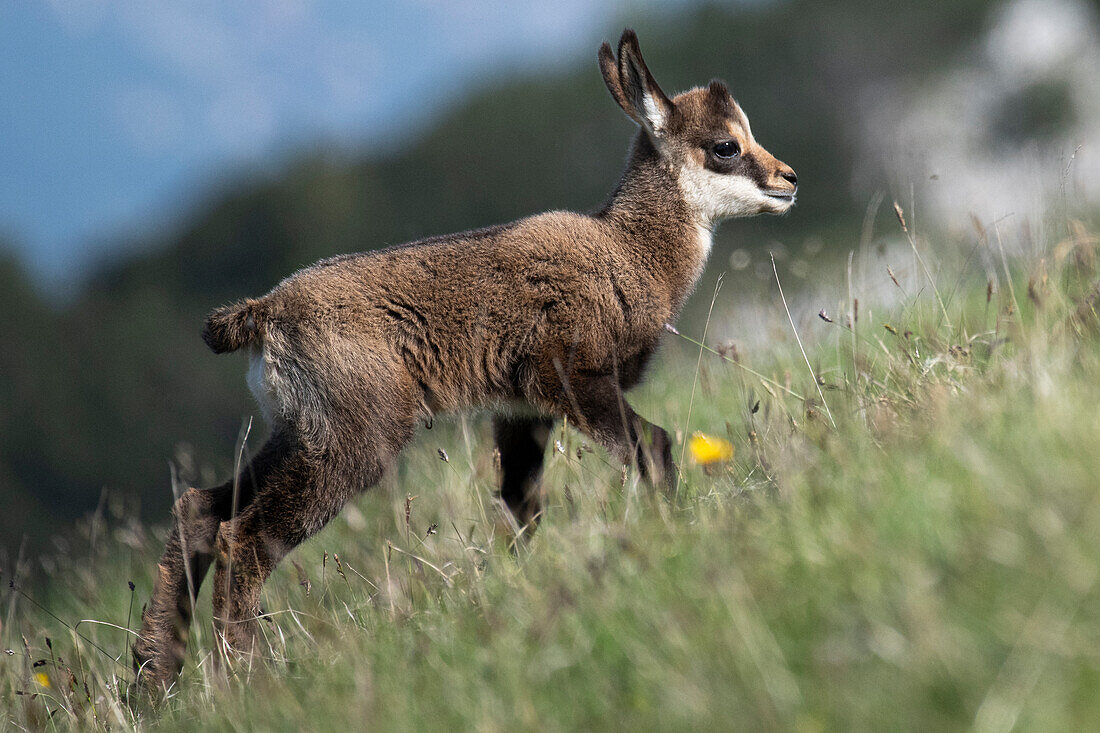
(557, 314)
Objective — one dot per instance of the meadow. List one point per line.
(895, 529)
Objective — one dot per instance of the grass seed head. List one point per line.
(901, 217)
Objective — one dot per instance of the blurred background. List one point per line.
(160, 159)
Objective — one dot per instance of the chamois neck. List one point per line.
(647, 197)
(648, 207)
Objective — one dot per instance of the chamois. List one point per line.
(547, 317)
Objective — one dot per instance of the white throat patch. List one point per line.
(706, 239)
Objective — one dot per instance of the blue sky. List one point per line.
(115, 115)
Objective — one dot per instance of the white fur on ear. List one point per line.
(656, 115)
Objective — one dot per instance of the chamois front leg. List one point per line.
(597, 407)
(522, 446)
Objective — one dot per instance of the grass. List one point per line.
(928, 563)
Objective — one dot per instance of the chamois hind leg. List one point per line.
(595, 404)
(188, 553)
(522, 446)
(307, 488)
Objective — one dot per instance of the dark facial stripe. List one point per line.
(745, 165)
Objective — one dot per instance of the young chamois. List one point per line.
(547, 317)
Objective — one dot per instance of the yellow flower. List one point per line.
(706, 449)
(42, 679)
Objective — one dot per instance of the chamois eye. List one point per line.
(727, 149)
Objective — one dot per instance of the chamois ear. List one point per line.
(719, 96)
(610, 70)
(633, 87)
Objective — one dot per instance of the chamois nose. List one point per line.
(789, 175)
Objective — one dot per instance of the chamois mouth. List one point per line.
(780, 195)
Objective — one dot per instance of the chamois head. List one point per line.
(703, 137)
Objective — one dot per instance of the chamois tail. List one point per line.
(230, 327)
